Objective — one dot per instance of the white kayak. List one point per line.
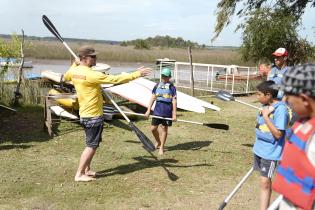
(61, 112)
(140, 91)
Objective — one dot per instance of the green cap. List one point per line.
(166, 72)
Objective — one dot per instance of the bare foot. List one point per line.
(157, 145)
(161, 151)
(83, 178)
(90, 173)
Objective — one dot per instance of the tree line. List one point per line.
(162, 41)
(267, 25)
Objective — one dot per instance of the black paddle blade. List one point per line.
(225, 96)
(217, 126)
(50, 26)
(148, 145)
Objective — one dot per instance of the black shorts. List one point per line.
(93, 128)
(157, 121)
(265, 167)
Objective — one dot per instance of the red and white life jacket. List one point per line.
(295, 178)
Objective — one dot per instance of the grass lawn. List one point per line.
(201, 166)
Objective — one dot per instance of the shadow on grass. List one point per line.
(120, 124)
(62, 127)
(147, 162)
(247, 145)
(14, 146)
(194, 145)
(26, 125)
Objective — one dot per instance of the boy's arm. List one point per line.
(278, 134)
(174, 103)
(153, 97)
(174, 114)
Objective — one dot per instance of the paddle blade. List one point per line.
(148, 145)
(50, 26)
(225, 96)
(217, 126)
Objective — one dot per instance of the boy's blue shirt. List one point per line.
(164, 109)
(266, 145)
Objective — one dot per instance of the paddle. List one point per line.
(210, 125)
(238, 186)
(6, 107)
(226, 96)
(148, 145)
(50, 26)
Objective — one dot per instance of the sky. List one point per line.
(119, 20)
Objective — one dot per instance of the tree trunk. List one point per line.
(191, 72)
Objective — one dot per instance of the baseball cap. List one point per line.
(86, 51)
(280, 52)
(299, 79)
(166, 72)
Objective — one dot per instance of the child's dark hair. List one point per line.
(266, 87)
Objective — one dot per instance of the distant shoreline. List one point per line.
(54, 50)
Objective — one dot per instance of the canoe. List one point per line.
(10, 78)
(70, 103)
(140, 91)
(61, 112)
(56, 77)
(12, 62)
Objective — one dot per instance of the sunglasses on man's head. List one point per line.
(91, 56)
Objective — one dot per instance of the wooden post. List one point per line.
(191, 72)
(17, 93)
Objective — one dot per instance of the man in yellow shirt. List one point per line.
(88, 87)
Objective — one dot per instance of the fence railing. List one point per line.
(213, 77)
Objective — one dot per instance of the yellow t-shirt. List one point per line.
(88, 87)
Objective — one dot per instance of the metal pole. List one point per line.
(191, 72)
(211, 78)
(247, 82)
(228, 198)
(208, 77)
(233, 83)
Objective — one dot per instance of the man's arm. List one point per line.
(122, 78)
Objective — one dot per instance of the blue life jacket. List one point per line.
(163, 92)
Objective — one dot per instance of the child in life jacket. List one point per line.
(164, 96)
(295, 178)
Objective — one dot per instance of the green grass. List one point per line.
(199, 169)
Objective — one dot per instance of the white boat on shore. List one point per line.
(13, 62)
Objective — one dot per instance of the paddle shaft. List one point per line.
(164, 118)
(116, 106)
(6, 107)
(247, 104)
(276, 203)
(229, 197)
(226, 96)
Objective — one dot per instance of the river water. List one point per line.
(61, 66)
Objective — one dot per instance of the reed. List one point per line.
(31, 90)
(107, 52)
